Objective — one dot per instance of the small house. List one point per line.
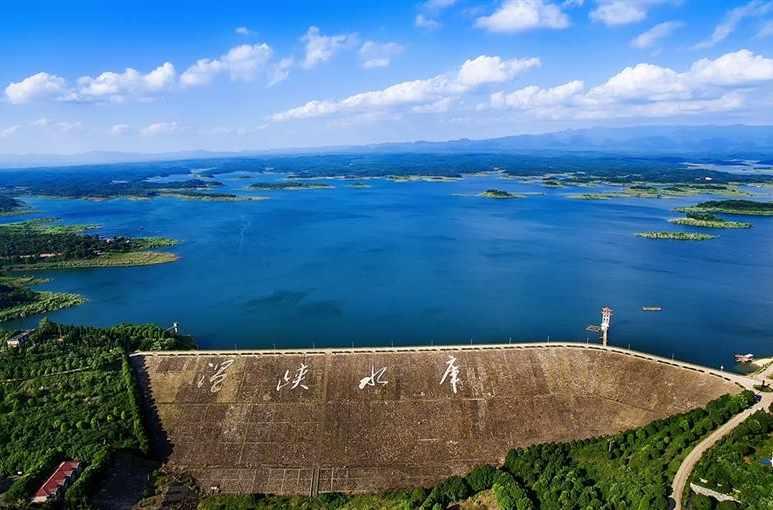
(53, 488)
(19, 339)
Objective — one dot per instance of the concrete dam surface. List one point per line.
(377, 419)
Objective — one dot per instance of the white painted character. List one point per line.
(452, 374)
(295, 382)
(375, 377)
(216, 380)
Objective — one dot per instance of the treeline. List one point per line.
(735, 467)
(631, 470)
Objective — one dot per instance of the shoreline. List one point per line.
(129, 259)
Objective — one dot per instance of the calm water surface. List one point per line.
(422, 263)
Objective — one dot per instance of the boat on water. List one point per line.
(651, 308)
(744, 358)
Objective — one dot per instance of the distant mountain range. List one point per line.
(707, 141)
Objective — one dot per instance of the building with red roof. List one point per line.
(56, 483)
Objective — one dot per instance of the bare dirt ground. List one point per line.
(319, 421)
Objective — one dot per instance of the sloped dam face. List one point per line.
(367, 421)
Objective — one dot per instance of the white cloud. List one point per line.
(655, 34)
(63, 126)
(116, 87)
(9, 131)
(739, 68)
(425, 22)
(37, 86)
(280, 71)
(242, 31)
(374, 54)
(522, 15)
(119, 129)
(733, 18)
(622, 12)
(643, 82)
(159, 128)
(241, 62)
(321, 48)
(417, 93)
(647, 90)
(536, 97)
(485, 69)
(439, 106)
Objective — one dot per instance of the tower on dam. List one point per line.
(606, 317)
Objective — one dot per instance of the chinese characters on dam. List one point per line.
(298, 381)
(295, 379)
(219, 372)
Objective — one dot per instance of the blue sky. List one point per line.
(174, 75)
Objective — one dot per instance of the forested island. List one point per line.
(44, 244)
(739, 207)
(676, 236)
(499, 194)
(289, 186)
(207, 196)
(707, 220)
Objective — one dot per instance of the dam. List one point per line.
(369, 420)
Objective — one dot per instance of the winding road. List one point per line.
(692, 459)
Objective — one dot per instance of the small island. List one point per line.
(676, 236)
(289, 186)
(708, 220)
(208, 196)
(499, 194)
(423, 178)
(739, 207)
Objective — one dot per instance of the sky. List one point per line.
(148, 76)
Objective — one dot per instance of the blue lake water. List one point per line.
(420, 263)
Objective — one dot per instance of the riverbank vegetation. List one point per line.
(18, 302)
(45, 245)
(676, 236)
(740, 207)
(68, 392)
(738, 466)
